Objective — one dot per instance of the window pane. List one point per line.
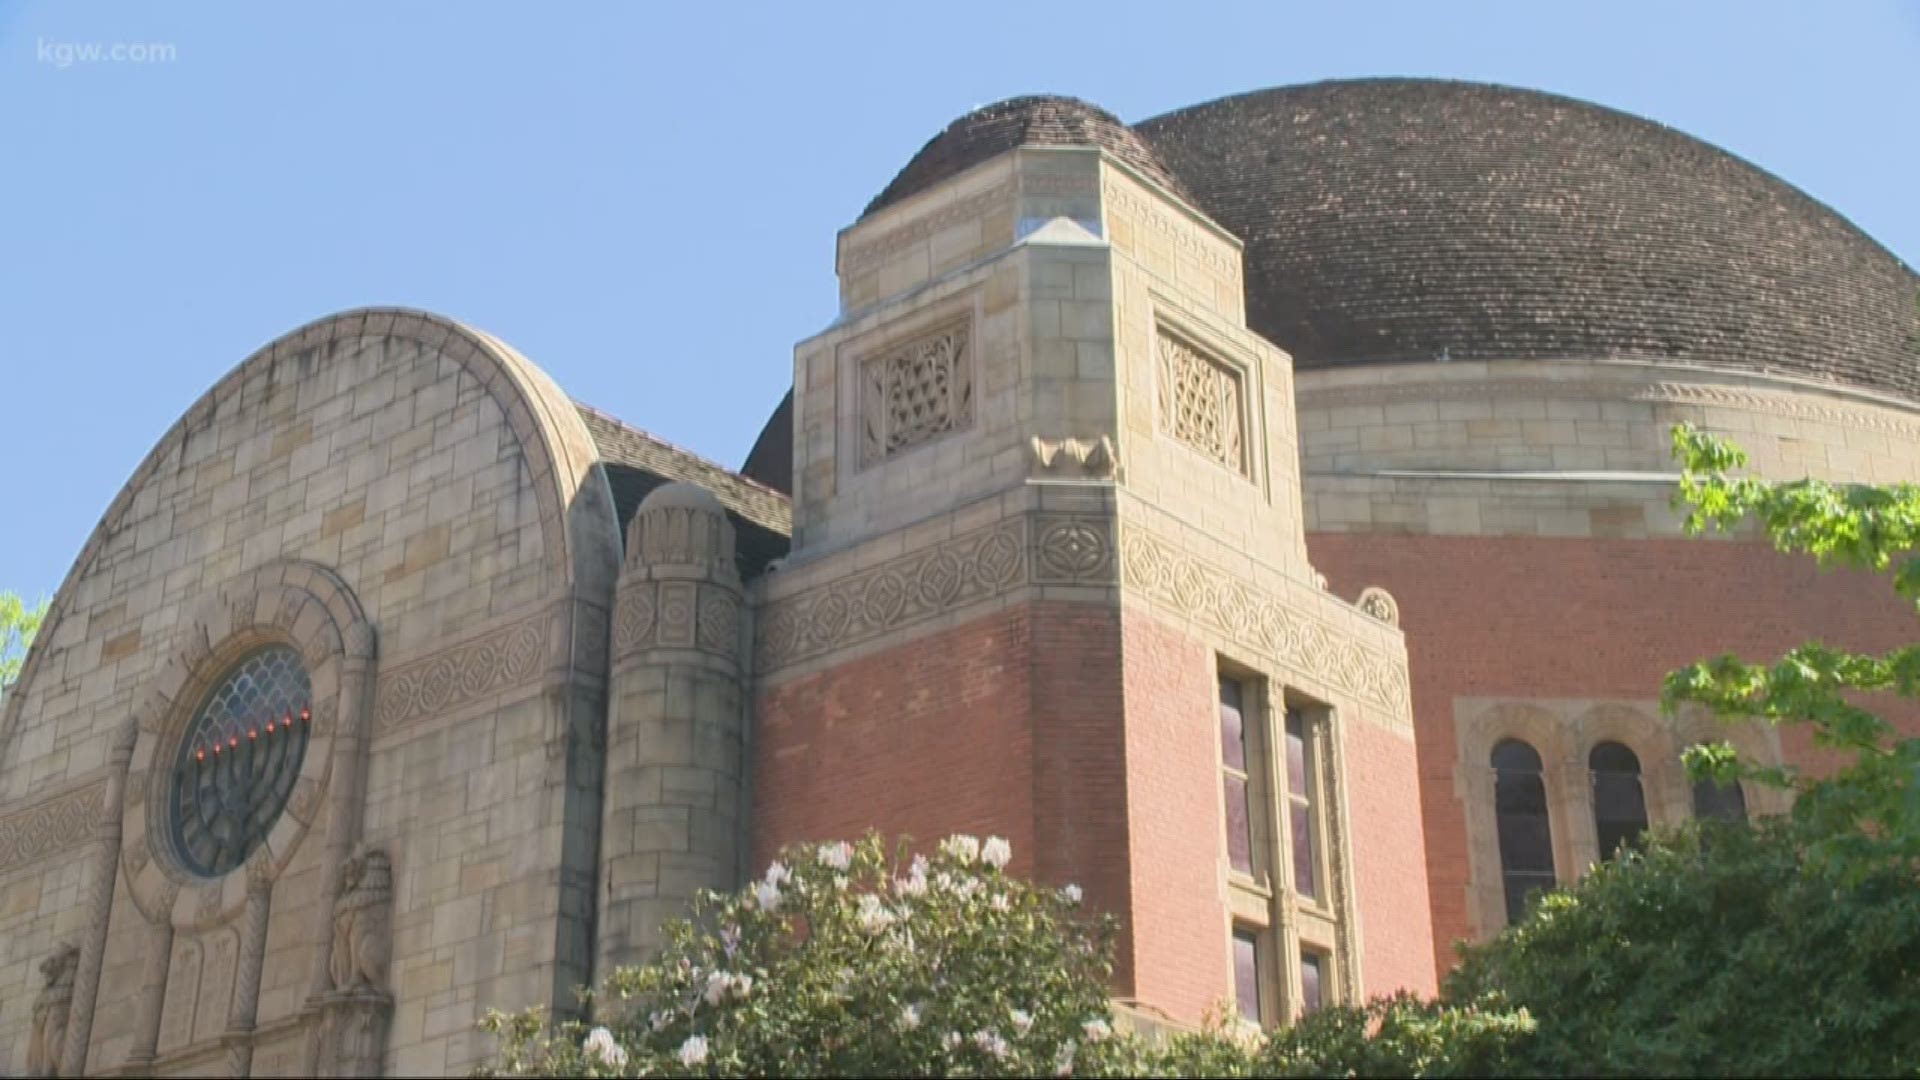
(1711, 802)
(1233, 736)
(1525, 830)
(1297, 755)
(1310, 973)
(1239, 826)
(1619, 804)
(1306, 873)
(1246, 974)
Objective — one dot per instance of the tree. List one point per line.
(18, 624)
(1868, 810)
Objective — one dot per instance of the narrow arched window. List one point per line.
(1619, 803)
(1526, 835)
(1712, 802)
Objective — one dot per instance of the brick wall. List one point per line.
(1560, 618)
(1383, 805)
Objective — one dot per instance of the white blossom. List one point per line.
(910, 1017)
(838, 855)
(693, 1051)
(742, 985)
(966, 889)
(962, 848)
(719, 984)
(1022, 1020)
(919, 867)
(601, 1044)
(990, 1042)
(777, 873)
(874, 915)
(1000, 902)
(996, 853)
(1096, 1029)
(911, 885)
(659, 1020)
(1063, 1059)
(767, 895)
(953, 1040)
(1072, 893)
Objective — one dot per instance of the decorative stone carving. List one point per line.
(1126, 199)
(976, 566)
(56, 824)
(719, 622)
(914, 393)
(352, 1033)
(1201, 403)
(465, 673)
(1091, 458)
(633, 619)
(1262, 621)
(1380, 604)
(363, 922)
(50, 1010)
(869, 255)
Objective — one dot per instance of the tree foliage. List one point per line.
(1868, 809)
(18, 624)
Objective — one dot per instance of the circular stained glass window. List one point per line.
(240, 757)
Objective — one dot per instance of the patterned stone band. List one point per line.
(51, 826)
(488, 664)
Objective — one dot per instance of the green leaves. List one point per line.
(18, 624)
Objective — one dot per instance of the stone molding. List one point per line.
(1264, 622)
(869, 254)
(1090, 459)
(676, 615)
(465, 673)
(1144, 209)
(1807, 403)
(1032, 549)
(49, 826)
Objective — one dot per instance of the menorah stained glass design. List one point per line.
(239, 760)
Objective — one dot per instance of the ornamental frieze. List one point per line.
(1038, 549)
(465, 673)
(676, 615)
(1262, 622)
(49, 827)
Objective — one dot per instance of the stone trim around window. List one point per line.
(1563, 732)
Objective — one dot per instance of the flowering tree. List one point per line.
(847, 960)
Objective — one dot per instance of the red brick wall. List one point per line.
(1572, 618)
(1009, 725)
(1180, 916)
(1389, 860)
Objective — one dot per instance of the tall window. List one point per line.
(1235, 756)
(1526, 834)
(1712, 802)
(1249, 974)
(1312, 992)
(1300, 817)
(1619, 804)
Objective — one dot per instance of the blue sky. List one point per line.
(643, 198)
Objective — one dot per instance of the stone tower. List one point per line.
(673, 811)
(1046, 508)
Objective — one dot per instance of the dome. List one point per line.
(1406, 219)
(1023, 121)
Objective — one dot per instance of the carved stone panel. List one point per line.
(915, 392)
(1202, 403)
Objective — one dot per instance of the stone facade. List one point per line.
(1054, 526)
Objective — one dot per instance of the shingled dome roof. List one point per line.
(1023, 121)
(1404, 219)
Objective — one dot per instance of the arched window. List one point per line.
(1712, 802)
(239, 758)
(1619, 804)
(1526, 836)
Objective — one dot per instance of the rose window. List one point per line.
(239, 759)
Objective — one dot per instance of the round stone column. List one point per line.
(673, 813)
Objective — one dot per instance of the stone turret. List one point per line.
(675, 780)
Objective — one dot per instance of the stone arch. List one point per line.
(296, 603)
(577, 518)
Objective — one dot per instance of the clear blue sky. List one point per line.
(643, 197)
